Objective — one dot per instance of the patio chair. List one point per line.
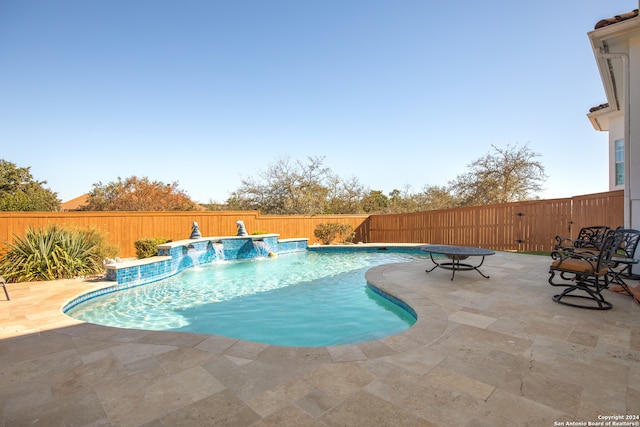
(584, 274)
(3, 283)
(589, 238)
(624, 258)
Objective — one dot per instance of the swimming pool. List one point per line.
(312, 298)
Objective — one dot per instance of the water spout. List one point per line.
(241, 230)
(195, 231)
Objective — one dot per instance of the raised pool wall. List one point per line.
(176, 256)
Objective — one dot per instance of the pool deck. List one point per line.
(484, 352)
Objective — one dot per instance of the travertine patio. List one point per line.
(484, 352)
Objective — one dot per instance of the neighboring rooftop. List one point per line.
(74, 204)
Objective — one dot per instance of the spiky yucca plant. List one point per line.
(54, 253)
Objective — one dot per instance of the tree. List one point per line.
(507, 175)
(294, 187)
(402, 201)
(375, 201)
(345, 196)
(138, 194)
(20, 192)
(436, 197)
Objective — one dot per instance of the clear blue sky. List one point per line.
(396, 93)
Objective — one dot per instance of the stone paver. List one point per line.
(484, 352)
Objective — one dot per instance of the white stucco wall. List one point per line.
(634, 143)
(633, 186)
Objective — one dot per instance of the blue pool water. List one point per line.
(301, 299)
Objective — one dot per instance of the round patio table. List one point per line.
(456, 254)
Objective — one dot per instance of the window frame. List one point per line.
(618, 162)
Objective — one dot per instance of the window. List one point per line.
(620, 162)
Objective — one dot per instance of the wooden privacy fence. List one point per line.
(522, 226)
(122, 229)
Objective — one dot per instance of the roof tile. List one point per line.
(618, 18)
(598, 107)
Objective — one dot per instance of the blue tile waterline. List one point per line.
(397, 301)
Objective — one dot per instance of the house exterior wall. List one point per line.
(616, 46)
(634, 131)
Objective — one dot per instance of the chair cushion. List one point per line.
(577, 265)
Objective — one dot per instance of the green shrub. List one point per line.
(334, 232)
(146, 248)
(54, 253)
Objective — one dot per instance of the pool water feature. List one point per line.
(313, 298)
(173, 257)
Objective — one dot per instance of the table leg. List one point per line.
(456, 265)
(446, 265)
(434, 261)
(476, 268)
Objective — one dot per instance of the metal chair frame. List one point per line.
(624, 257)
(584, 274)
(588, 238)
(4, 286)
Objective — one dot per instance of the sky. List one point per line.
(399, 94)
